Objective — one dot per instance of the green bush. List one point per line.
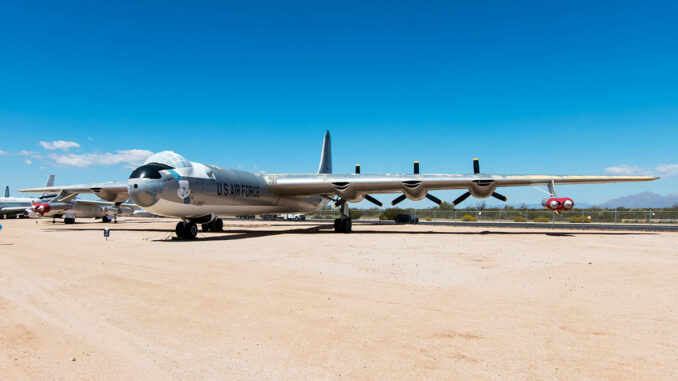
(428, 218)
(578, 220)
(355, 214)
(542, 219)
(468, 218)
(390, 213)
(520, 219)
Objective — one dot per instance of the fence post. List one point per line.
(582, 216)
(615, 216)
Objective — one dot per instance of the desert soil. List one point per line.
(297, 301)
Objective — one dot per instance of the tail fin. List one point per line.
(326, 155)
(7, 191)
(50, 183)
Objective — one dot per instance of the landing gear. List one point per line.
(186, 230)
(69, 220)
(343, 224)
(105, 219)
(215, 226)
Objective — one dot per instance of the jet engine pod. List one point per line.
(41, 208)
(558, 203)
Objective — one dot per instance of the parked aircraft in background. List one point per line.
(169, 185)
(13, 207)
(68, 207)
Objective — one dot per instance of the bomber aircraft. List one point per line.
(169, 185)
(13, 207)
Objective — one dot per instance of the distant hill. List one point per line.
(642, 200)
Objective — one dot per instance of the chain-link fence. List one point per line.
(519, 215)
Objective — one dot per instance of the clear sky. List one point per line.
(528, 87)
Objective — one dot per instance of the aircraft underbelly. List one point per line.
(283, 205)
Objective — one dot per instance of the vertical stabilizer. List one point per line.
(326, 155)
(7, 191)
(50, 181)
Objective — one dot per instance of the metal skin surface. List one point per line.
(224, 192)
(169, 185)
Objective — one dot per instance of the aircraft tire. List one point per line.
(348, 225)
(337, 225)
(206, 227)
(181, 226)
(69, 221)
(190, 230)
(2, 216)
(218, 225)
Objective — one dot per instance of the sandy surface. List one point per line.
(292, 301)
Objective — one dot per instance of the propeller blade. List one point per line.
(398, 199)
(416, 167)
(461, 198)
(357, 169)
(499, 196)
(373, 200)
(476, 166)
(434, 199)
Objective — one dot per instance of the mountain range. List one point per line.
(642, 200)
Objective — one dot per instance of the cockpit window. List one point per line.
(149, 171)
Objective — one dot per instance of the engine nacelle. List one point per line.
(482, 188)
(558, 204)
(41, 208)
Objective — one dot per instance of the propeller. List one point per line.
(402, 197)
(367, 196)
(476, 170)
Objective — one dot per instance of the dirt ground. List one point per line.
(297, 301)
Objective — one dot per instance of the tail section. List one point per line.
(7, 191)
(50, 183)
(326, 155)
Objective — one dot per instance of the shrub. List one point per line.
(355, 214)
(520, 219)
(578, 220)
(390, 213)
(468, 218)
(542, 219)
(428, 218)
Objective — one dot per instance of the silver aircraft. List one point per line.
(169, 185)
(13, 207)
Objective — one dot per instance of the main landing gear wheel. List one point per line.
(215, 226)
(69, 221)
(343, 225)
(186, 230)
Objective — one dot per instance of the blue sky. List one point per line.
(529, 87)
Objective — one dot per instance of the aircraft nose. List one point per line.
(144, 192)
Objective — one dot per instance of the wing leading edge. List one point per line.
(362, 184)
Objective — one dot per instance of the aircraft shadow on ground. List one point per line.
(236, 234)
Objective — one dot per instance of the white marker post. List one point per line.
(107, 233)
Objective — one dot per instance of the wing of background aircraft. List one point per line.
(14, 209)
(111, 191)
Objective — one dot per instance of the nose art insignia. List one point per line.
(184, 191)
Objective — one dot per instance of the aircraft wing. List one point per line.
(110, 191)
(329, 184)
(13, 209)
